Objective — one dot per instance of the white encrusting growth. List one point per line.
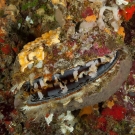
(66, 102)
(46, 70)
(31, 77)
(57, 77)
(94, 62)
(89, 63)
(67, 122)
(28, 19)
(120, 2)
(35, 85)
(49, 119)
(93, 70)
(114, 22)
(112, 55)
(104, 60)
(93, 66)
(42, 84)
(14, 88)
(20, 85)
(75, 74)
(81, 74)
(76, 68)
(39, 64)
(93, 74)
(86, 26)
(63, 88)
(79, 99)
(40, 95)
(30, 65)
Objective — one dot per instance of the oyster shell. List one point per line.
(64, 70)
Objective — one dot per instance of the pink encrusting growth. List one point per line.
(87, 12)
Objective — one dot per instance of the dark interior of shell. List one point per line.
(70, 81)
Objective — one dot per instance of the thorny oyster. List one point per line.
(80, 63)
